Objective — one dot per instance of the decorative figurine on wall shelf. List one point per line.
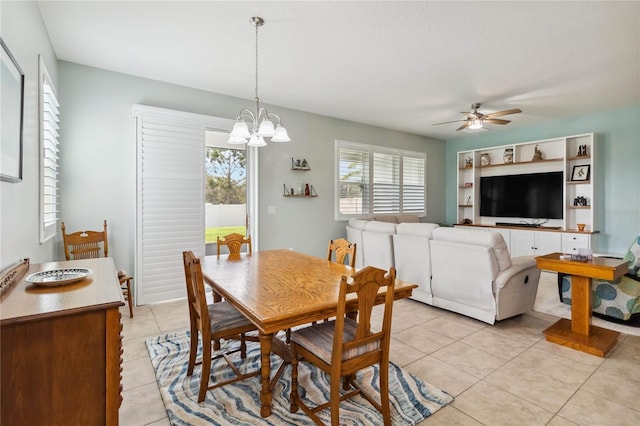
(537, 154)
(508, 156)
(307, 191)
(485, 160)
(468, 162)
(582, 151)
(305, 165)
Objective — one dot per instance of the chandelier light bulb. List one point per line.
(240, 130)
(280, 135)
(266, 128)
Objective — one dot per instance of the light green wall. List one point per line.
(98, 159)
(617, 134)
(23, 32)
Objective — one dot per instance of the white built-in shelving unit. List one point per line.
(558, 154)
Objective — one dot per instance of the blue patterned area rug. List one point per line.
(412, 400)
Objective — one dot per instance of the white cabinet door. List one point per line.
(547, 242)
(527, 243)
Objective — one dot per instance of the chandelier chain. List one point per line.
(257, 99)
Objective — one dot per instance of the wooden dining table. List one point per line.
(280, 289)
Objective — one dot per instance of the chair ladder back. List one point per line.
(85, 244)
(366, 284)
(342, 248)
(196, 294)
(234, 243)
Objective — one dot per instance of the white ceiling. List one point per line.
(398, 64)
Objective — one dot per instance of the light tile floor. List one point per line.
(505, 374)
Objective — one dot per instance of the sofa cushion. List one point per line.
(417, 229)
(480, 238)
(633, 257)
(383, 227)
(358, 223)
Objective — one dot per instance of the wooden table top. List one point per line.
(604, 268)
(24, 301)
(279, 289)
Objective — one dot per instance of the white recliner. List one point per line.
(473, 274)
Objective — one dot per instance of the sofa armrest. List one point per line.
(518, 265)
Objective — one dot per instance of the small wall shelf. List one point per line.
(301, 196)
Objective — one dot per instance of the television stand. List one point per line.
(519, 225)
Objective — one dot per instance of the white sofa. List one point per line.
(461, 270)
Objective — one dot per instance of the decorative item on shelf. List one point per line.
(286, 190)
(297, 164)
(469, 200)
(508, 156)
(580, 226)
(582, 151)
(292, 192)
(466, 221)
(468, 162)
(307, 191)
(313, 192)
(580, 173)
(537, 154)
(485, 160)
(468, 184)
(261, 119)
(580, 201)
(300, 189)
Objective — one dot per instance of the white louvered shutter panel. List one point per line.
(353, 164)
(49, 152)
(170, 205)
(413, 184)
(386, 183)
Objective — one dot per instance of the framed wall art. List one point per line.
(580, 173)
(12, 95)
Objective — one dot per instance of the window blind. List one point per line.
(49, 155)
(353, 181)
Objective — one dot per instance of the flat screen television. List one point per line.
(534, 195)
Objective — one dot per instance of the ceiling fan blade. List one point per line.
(464, 126)
(496, 121)
(447, 122)
(501, 113)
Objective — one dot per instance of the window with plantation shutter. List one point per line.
(49, 155)
(377, 180)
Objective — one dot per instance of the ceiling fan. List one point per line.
(476, 120)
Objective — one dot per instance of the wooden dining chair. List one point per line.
(212, 322)
(342, 248)
(345, 345)
(234, 243)
(92, 244)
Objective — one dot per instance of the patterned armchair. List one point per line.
(619, 299)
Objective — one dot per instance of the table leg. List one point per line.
(266, 342)
(580, 305)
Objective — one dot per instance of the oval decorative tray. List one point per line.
(56, 277)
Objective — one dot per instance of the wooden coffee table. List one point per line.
(578, 333)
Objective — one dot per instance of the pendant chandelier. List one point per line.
(262, 121)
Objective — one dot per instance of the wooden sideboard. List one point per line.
(61, 349)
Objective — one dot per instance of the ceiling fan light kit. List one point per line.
(476, 120)
(261, 119)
